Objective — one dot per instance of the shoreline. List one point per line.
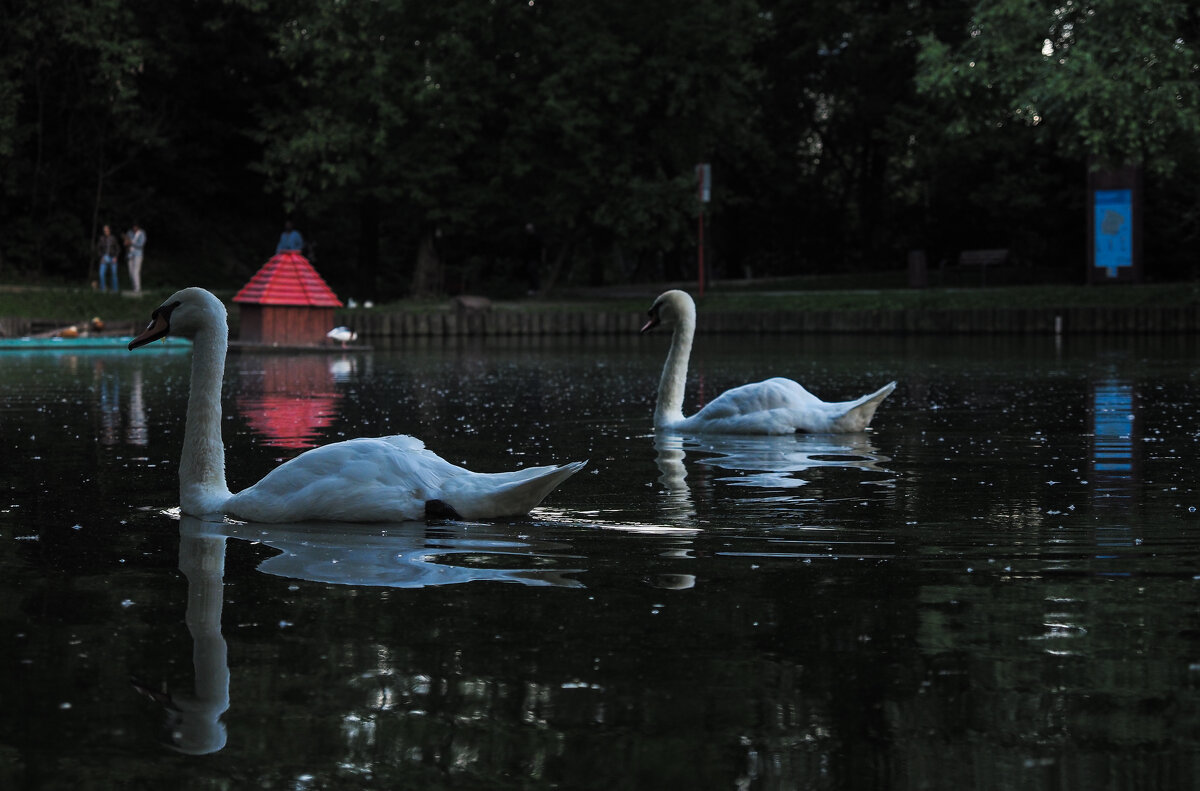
(1140, 320)
(993, 321)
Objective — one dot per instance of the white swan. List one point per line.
(774, 406)
(342, 335)
(383, 479)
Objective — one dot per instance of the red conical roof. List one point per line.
(288, 279)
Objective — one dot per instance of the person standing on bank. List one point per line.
(290, 239)
(108, 248)
(135, 240)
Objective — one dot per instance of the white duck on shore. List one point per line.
(773, 406)
(379, 479)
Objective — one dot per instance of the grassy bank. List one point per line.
(70, 304)
(77, 304)
(780, 297)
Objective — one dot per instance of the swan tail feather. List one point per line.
(859, 413)
(499, 494)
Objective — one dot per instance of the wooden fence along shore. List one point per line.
(1013, 321)
(1027, 321)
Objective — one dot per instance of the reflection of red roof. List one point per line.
(288, 422)
(288, 279)
(288, 400)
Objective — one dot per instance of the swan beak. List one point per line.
(158, 328)
(652, 323)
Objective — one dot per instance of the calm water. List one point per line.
(997, 587)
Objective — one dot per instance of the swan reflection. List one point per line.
(193, 720)
(669, 456)
(763, 461)
(405, 554)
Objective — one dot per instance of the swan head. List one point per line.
(183, 314)
(671, 308)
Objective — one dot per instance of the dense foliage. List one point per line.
(521, 144)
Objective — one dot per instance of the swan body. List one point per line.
(774, 406)
(342, 335)
(380, 479)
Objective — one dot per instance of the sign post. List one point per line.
(1115, 226)
(703, 195)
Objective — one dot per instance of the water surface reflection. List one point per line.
(995, 588)
(289, 400)
(192, 720)
(407, 554)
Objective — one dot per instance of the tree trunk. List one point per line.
(427, 278)
(366, 280)
(557, 267)
(91, 271)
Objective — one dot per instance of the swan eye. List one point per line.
(655, 319)
(163, 312)
(159, 326)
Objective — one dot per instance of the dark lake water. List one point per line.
(997, 587)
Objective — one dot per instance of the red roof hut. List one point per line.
(286, 303)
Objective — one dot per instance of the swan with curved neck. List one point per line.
(377, 479)
(774, 406)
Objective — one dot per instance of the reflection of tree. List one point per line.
(444, 687)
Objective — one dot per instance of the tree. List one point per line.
(462, 123)
(1098, 84)
(628, 98)
(70, 119)
(1112, 81)
(111, 110)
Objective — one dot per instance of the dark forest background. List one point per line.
(503, 145)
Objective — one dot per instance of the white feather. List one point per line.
(342, 335)
(774, 406)
(381, 479)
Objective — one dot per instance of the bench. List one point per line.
(982, 259)
(467, 304)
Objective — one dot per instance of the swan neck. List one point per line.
(669, 408)
(202, 487)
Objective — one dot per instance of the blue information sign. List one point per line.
(1113, 229)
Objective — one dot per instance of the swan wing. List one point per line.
(856, 415)
(372, 479)
(389, 479)
(782, 406)
(483, 495)
(769, 407)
